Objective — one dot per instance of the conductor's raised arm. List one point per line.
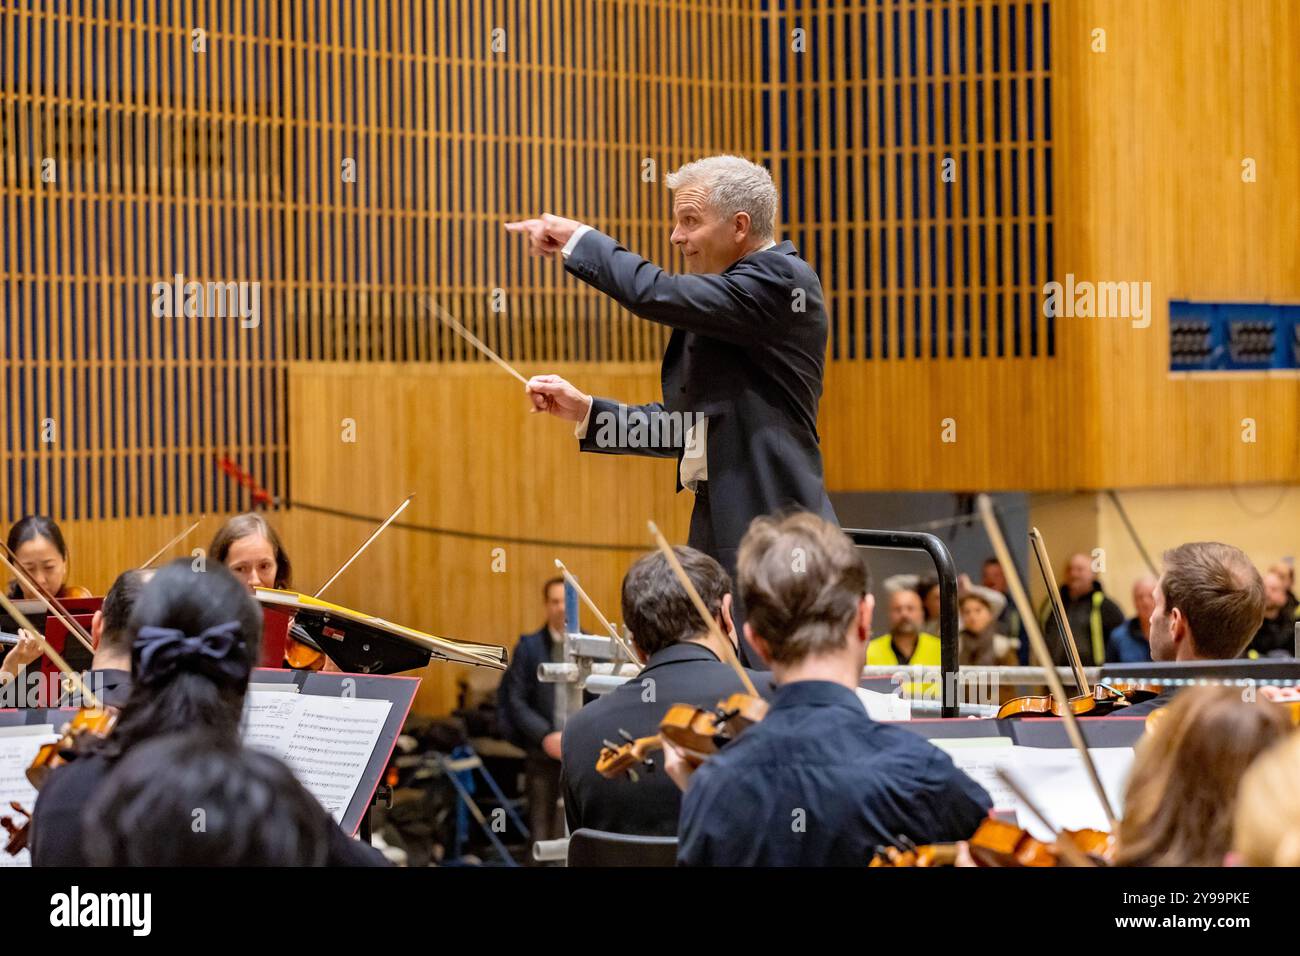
(738, 300)
(742, 305)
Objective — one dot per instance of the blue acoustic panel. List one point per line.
(1233, 336)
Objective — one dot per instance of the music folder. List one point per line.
(365, 644)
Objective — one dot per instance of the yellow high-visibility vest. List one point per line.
(928, 653)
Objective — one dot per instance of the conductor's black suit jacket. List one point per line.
(679, 674)
(748, 351)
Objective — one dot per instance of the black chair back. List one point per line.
(599, 848)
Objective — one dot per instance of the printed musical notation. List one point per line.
(326, 741)
(18, 745)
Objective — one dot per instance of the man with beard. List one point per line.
(905, 643)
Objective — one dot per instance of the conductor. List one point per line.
(742, 373)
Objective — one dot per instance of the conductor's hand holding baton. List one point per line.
(548, 235)
(550, 393)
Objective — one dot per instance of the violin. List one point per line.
(93, 720)
(1103, 699)
(908, 854)
(18, 832)
(1000, 844)
(88, 723)
(700, 731)
(1095, 701)
(697, 730)
(1288, 697)
(302, 656)
(616, 760)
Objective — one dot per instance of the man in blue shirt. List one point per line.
(1130, 643)
(817, 782)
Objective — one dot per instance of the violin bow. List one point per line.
(87, 697)
(604, 622)
(1039, 646)
(1039, 547)
(357, 553)
(246, 480)
(51, 603)
(172, 543)
(700, 606)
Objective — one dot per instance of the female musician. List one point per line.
(195, 637)
(23, 652)
(38, 547)
(1182, 790)
(1266, 831)
(250, 548)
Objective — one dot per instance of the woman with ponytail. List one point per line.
(195, 637)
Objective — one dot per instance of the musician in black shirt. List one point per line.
(684, 664)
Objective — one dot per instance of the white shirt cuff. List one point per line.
(580, 430)
(573, 241)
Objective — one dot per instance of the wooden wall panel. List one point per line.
(1154, 192)
(931, 276)
(1146, 145)
(344, 158)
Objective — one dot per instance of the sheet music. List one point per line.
(268, 719)
(980, 758)
(1054, 778)
(326, 741)
(18, 745)
(883, 706)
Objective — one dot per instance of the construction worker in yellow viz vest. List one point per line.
(906, 643)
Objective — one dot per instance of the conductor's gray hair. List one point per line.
(734, 184)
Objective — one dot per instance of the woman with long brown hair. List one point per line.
(1182, 790)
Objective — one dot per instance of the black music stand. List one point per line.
(948, 628)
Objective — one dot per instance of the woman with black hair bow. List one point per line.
(195, 638)
(254, 811)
